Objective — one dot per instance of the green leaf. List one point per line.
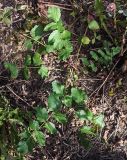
(68, 49)
(99, 7)
(85, 40)
(57, 87)
(78, 95)
(26, 73)
(59, 117)
(54, 102)
(25, 134)
(41, 114)
(102, 53)
(7, 11)
(37, 59)
(27, 61)
(54, 36)
(50, 26)
(89, 115)
(93, 41)
(66, 34)
(115, 50)
(94, 55)
(93, 67)
(85, 61)
(36, 32)
(99, 120)
(87, 130)
(12, 69)
(39, 137)
(34, 125)
(67, 101)
(54, 13)
(22, 147)
(49, 48)
(51, 127)
(28, 44)
(93, 25)
(43, 71)
(60, 26)
(7, 21)
(81, 114)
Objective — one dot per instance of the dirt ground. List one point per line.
(112, 141)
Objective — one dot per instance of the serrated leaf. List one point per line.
(36, 32)
(68, 49)
(93, 25)
(41, 114)
(99, 120)
(51, 127)
(12, 69)
(59, 117)
(50, 26)
(34, 125)
(37, 59)
(67, 101)
(87, 130)
(28, 60)
(54, 13)
(22, 147)
(54, 36)
(43, 71)
(28, 44)
(78, 95)
(54, 102)
(85, 40)
(39, 137)
(57, 88)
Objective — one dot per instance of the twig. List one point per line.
(32, 39)
(58, 4)
(98, 89)
(123, 43)
(48, 5)
(9, 88)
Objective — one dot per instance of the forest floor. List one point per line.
(106, 89)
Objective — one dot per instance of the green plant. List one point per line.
(94, 27)
(59, 38)
(58, 41)
(99, 9)
(29, 62)
(9, 120)
(103, 57)
(47, 117)
(5, 15)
